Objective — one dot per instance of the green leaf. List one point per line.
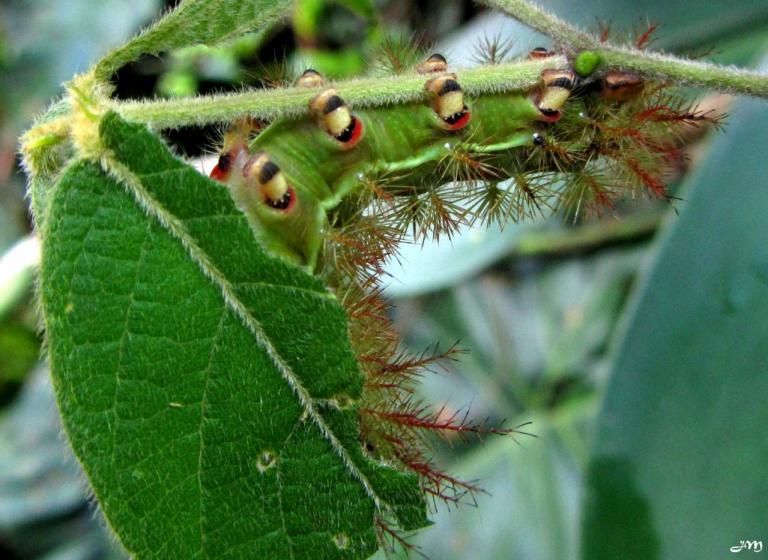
(208, 388)
(678, 466)
(197, 21)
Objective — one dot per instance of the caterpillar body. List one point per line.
(321, 166)
(336, 192)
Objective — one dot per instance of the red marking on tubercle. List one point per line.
(357, 133)
(218, 175)
(291, 202)
(462, 122)
(549, 118)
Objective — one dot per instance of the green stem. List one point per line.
(589, 236)
(544, 22)
(649, 65)
(291, 102)
(684, 72)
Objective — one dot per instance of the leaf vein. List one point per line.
(176, 229)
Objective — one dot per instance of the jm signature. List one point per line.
(754, 546)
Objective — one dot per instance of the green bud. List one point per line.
(586, 62)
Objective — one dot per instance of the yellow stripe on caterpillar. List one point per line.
(448, 101)
(269, 180)
(330, 111)
(558, 85)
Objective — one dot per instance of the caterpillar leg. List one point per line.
(448, 102)
(558, 85)
(331, 113)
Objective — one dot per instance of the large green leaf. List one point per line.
(207, 387)
(679, 463)
(197, 21)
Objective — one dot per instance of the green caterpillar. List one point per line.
(295, 174)
(337, 191)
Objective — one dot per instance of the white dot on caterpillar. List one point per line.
(266, 460)
(341, 540)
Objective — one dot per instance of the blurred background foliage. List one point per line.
(636, 343)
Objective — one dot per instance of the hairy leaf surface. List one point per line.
(207, 387)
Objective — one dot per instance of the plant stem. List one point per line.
(589, 236)
(270, 104)
(544, 22)
(684, 72)
(649, 65)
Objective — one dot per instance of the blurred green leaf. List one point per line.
(431, 266)
(49, 41)
(197, 21)
(678, 466)
(527, 332)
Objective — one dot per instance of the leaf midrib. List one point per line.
(175, 228)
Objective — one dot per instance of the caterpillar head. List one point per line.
(435, 63)
(330, 111)
(620, 86)
(558, 85)
(448, 102)
(311, 78)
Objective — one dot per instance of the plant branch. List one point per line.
(668, 68)
(544, 22)
(269, 104)
(655, 66)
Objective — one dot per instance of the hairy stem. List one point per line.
(654, 66)
(544, 22)
(288, 102)
(684, 72)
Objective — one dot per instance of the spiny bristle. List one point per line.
(391, 539)
(397, 53)
(585, 195)
(415, 415)
(524, 196)
(645, 38)
(460, 163)
(603, 29)
(492, 49)
(276, 74)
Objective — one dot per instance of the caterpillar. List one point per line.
(337, 191)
